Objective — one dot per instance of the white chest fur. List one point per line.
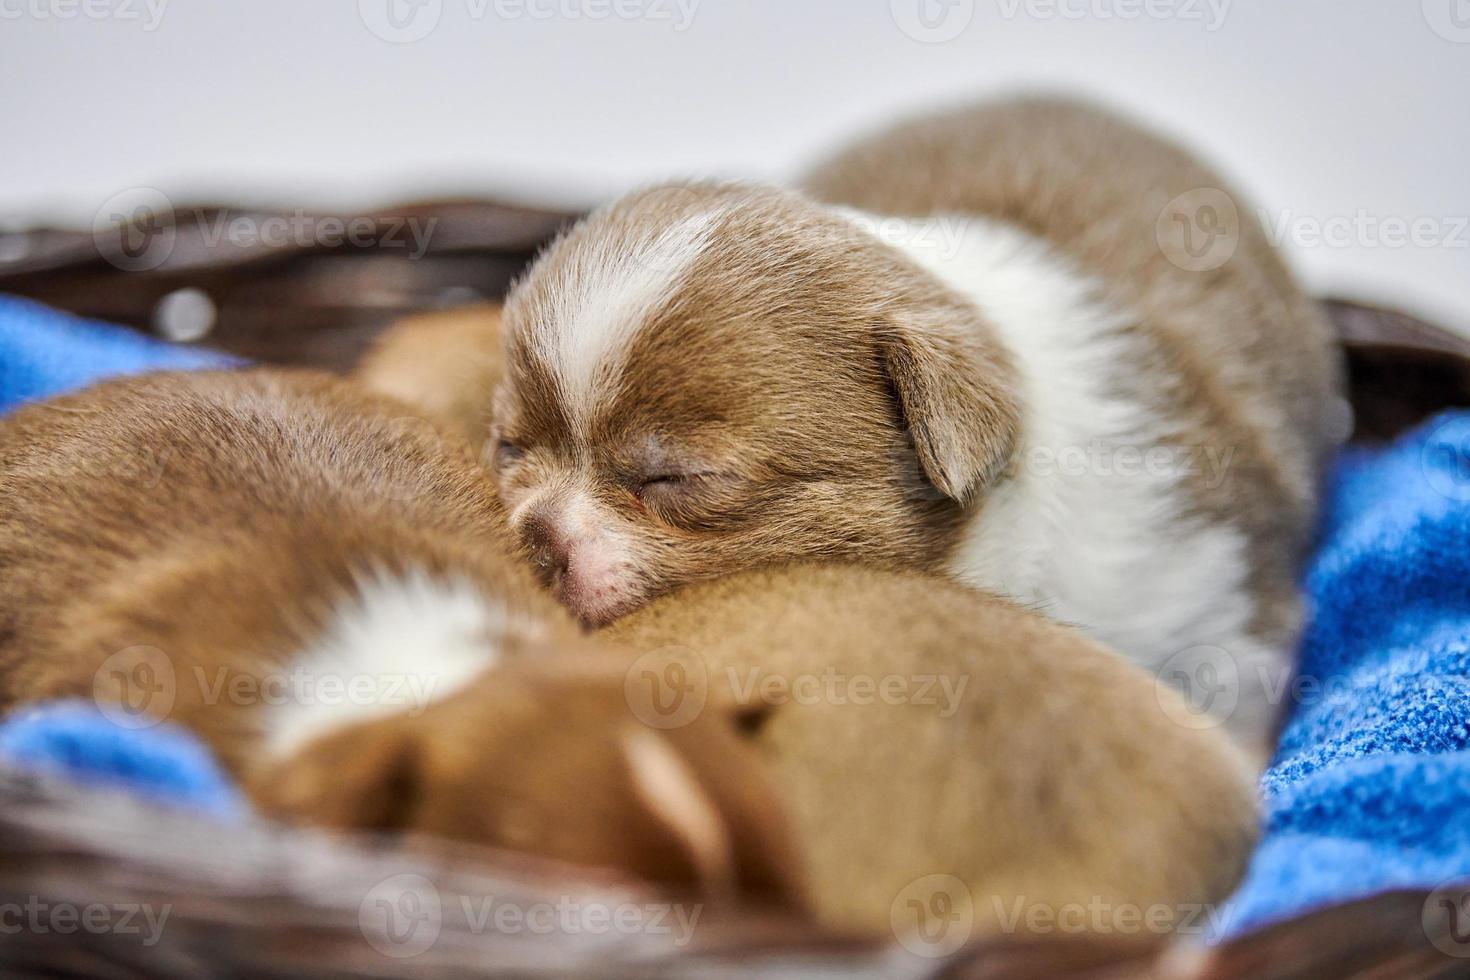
(1092, 525)
(394, 646)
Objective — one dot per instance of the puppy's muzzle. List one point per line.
(549, 551)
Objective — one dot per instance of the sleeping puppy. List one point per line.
(962, 348)
(913, 727)
(314, 584)
(319, 585)
(920, 729)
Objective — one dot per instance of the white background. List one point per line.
(1340, 114)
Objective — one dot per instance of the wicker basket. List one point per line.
(257, 900)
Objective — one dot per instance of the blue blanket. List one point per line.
(43, 352)
(1371, 786)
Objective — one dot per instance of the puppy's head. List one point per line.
(702, 377)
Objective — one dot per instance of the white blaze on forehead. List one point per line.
(395, 645)
(605, 296)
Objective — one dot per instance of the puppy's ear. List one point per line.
(957, 388)
(671, 791)
(713, 799)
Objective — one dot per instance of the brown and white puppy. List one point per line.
(971, 345)
(929, 739)
(320, 586)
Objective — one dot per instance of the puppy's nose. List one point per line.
(549, 551)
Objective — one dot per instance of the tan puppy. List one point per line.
(318, 586)
(444, 363)
(973, 346)
(919, 729)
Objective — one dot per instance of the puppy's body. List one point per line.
(443, 363)
(188, 538)
(320, 586)
(1008, 381)
(921, 729)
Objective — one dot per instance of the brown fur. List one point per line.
(1061, 778)
(446, 363)
(214, 520)
(537, 758)
(811, 407)
(121, 494)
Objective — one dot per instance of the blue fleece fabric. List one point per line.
(44, 352)
(1370, 788)
(76, 740)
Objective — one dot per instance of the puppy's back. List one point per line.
(1118, 200)
(446, 363)
(1225, 345)
(932, 730)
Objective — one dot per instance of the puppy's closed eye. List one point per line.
(507, 452)
(664, 483)
(688, 500)
(662, 492)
